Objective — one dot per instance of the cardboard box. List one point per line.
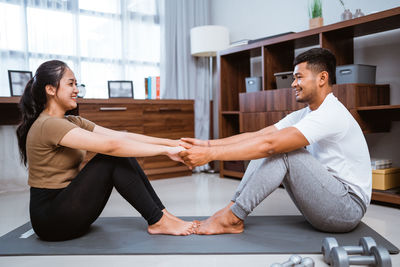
(385, 178)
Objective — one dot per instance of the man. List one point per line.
(329, 180)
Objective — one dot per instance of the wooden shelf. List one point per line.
(231, 173)
(371, 110)
(388, 196)
(380, 107)
(10, 99)
(230, 112)
(9, 110)
(382, 112)
(377, 22)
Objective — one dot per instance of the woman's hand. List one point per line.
(173, 153)
(196, 156)
(172, 142)
(194, 142)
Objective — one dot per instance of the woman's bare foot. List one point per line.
(169, 226)
(222, 222)
(172, 216)
(196, 223)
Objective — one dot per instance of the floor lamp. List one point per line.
(205, 41)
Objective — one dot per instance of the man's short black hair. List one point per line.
(319, 59)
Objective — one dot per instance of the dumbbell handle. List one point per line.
(358, 260)
(353, 249)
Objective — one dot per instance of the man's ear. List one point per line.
(323, 78)
(50, 90)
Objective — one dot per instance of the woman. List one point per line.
(64, 201)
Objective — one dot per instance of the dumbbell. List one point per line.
(364, 247)
(379, 257)
(293, 260)
(297, 261)
(306, 262)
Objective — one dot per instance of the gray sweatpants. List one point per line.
(325, 202)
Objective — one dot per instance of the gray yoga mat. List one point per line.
(128, 236)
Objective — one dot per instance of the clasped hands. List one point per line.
(192, 152)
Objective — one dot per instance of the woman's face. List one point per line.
(67, 92)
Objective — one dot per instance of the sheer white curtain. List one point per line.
(182, 75)
(100, 40)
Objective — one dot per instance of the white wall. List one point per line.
(255, 19)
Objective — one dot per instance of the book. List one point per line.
(153, 87)
(146, 88)
(269, 37)
(149, 87)
(158, 87)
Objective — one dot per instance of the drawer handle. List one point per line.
(113, 108)
(169, 109)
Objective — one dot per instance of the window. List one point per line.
(100, 40)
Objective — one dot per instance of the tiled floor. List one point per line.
(197, 195)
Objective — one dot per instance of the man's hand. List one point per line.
(173, 153)
(194, 141)
(196, 156)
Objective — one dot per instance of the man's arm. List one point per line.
(260, 146)
(231, 139)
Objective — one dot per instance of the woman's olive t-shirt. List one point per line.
(51, 165)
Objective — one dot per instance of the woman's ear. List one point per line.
(50, 90)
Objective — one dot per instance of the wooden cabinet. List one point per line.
(261, 109)
(159, 118)
(240, 111)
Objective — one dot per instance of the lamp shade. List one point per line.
(205, 41)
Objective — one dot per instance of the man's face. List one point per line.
(305, 83)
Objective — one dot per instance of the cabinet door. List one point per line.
(120, 117)
(250, 122)
(168, 120)
(171, 121)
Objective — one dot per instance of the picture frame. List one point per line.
(120, 89)
(18, 80)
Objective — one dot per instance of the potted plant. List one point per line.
(315, 13)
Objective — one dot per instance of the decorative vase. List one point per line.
(316, 22)
(347, 14)
(358, 13)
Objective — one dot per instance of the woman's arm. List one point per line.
(115, 144)
(135, 137)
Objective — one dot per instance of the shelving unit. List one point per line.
(277, 55)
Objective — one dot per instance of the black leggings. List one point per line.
(61, 214)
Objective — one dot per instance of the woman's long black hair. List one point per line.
(33, 100)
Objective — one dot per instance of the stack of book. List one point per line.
(240, 42)
(378, 164)
(152, 87)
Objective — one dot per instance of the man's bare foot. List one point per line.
(169, 226)
(222, 222)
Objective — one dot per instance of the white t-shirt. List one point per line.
(337, 141)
